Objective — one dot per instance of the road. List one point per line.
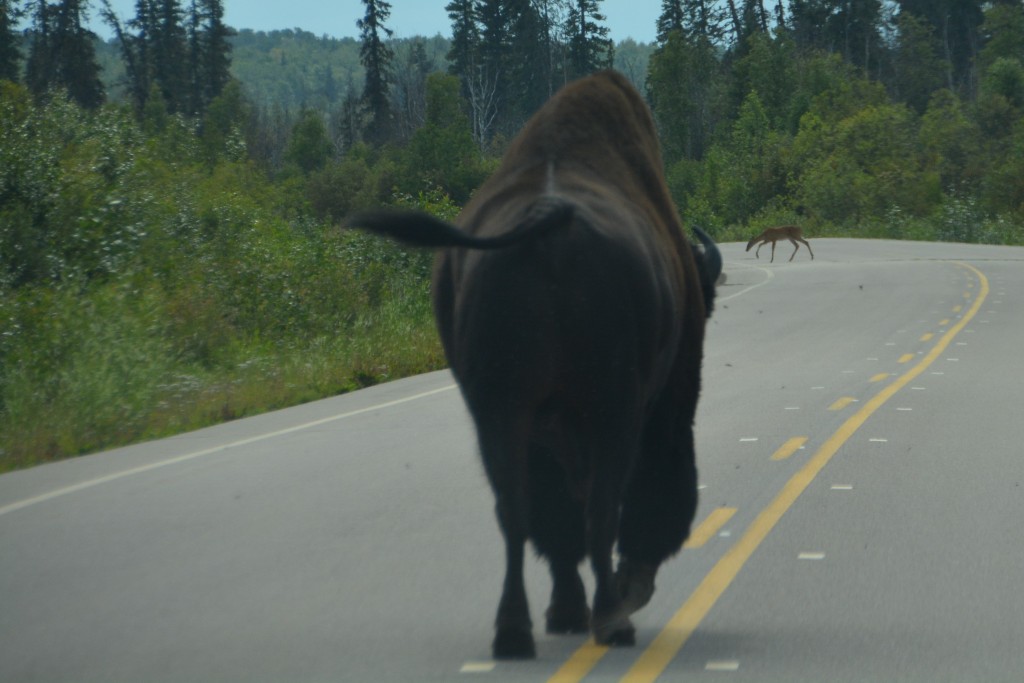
(860, 452)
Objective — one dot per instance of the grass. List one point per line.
(108, 376)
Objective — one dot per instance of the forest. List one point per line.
(170, 254)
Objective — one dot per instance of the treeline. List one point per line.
(869, 117)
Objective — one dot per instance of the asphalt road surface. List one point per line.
(861, 452)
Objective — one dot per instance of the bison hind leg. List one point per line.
(568, 611)
(635, 583)
(557, 529)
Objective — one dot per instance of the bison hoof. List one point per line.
(617, 633)
(513, 643)
(635, 583)
(574, 620)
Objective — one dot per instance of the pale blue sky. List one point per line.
(626, 18)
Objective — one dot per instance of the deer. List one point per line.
(791, 232)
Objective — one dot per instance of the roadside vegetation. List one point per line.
(169, 249)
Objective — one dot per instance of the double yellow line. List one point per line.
(653, 661)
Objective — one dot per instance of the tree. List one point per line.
(169, 63)
(808, 19)
(671, 19)
(681, 80)
(376, 58)
(956, 24)
(769, 68)
(442, 153)
(950, 143)
(590, 48)
(62, 53)
(210, 52)
(490, 83)
(309, 147)
(530, 66)
(1002, 34)
(919, 70)
(464, 53)
(10, 57)
(408, 94)
(694, 18)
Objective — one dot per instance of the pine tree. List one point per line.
(10, 57)
(376, 58)
(957, 24)
(168, 51)
(590, 48)
(671, 19)
(465, 45)
(692, 18)
(211, 52)
(530, 82)
(62, 53)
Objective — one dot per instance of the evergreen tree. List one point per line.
(957, 25)
(682, 78)
(671, 19)
(855, 30)
(169, 63)
(590, 48)
(530, 78)
(693, 18)
(808, 19)
(210, 53)
(408, 92)
(465, 45)
(1002, 33)
(10, 57)
(919, 70)
(62, 53)
(376, 57)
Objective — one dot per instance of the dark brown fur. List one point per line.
(572, 311)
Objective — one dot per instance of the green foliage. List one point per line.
(310, 147)
(442, 153)
(149, 287)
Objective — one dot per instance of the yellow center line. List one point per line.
(653, 661)
(906, 358)
(842, 403)
(789, 448)
(880, 376)
(957, 309)
(709, 527)
(927, 336)
(588, 655)
(580, 664)
(943, 322)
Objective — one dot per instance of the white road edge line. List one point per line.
(769, 277)
(12, 507)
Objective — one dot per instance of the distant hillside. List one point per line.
(293, 68)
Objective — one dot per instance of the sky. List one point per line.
(626, 18)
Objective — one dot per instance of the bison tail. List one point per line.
(424, 230)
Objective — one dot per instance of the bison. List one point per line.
(572, 310)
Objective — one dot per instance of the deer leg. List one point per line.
(773, 253)
(797, 248)
(806, 244)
